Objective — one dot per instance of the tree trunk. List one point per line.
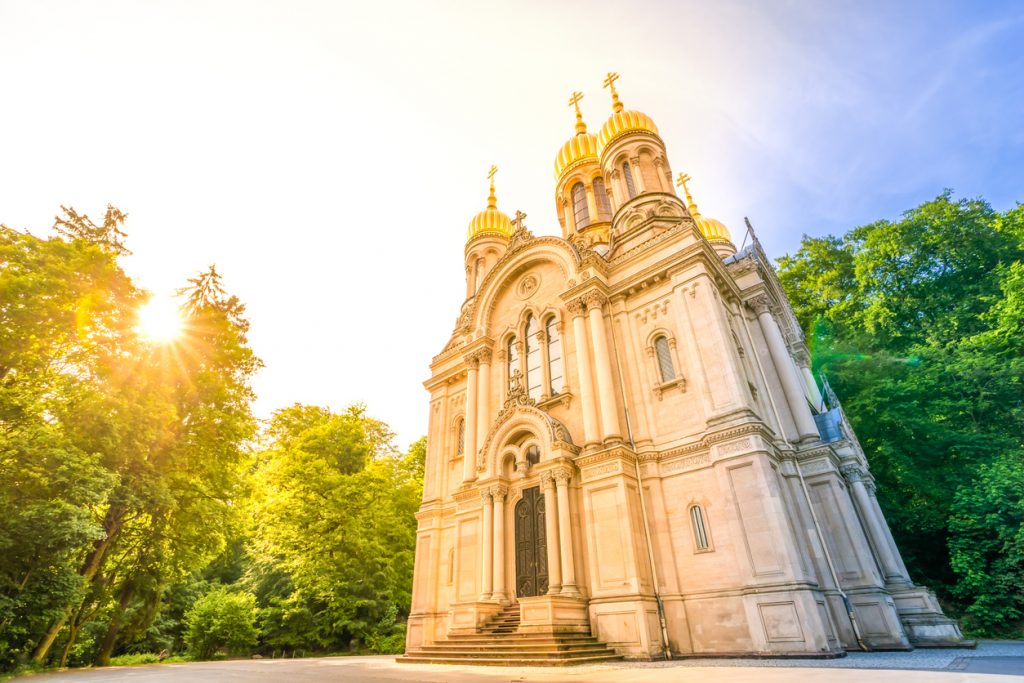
(112, 523)
(110, 639)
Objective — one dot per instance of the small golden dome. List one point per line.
(624, 122)
(490, 221)
(713, 230)
(580, 147)
(621, 121)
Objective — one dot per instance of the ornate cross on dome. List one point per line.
(490, 174)
(574, 101)
(518, 220)
(681, 181)
(610, 83)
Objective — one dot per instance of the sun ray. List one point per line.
(160, 320)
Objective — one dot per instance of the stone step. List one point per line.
(505, 652)
(512, 661)
(522, 638)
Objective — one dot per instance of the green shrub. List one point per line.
(135, 659)
(221, 622)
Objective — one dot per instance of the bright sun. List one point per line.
(159, 319)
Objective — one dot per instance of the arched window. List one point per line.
(513, 360)
(532, 455)
(700, 530)
(461, 442)
(661, 349)
(534, 379)
(604, 208)
(581, 215)
(628, 175)
(556, 368)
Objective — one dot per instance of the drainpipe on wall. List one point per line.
(643, 506)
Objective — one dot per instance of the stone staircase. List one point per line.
(498, 643)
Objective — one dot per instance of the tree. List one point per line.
(221, 622)
(334, 528)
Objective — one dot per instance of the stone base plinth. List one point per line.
(468, 617)
(924, 622)
(553, 614)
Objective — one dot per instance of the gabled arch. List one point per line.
(536, 251)
(520, 416)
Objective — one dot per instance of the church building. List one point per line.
(628, 453)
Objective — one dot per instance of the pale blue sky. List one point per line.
(328, 156)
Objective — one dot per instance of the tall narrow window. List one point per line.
(556, 368)
(533, 370)
(461, 448)
(513, 360)
(628, 175)
(533, 455)
(580, 212)
(604, 208)
(664, 354)
(700, 531)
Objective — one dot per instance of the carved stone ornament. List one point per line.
(760, 304)
(518, 400)
(528, 286)
(595, 299)
(576, 307)
(852, 473)
(562, 475)
(547, 480)
(802, 358)
(499, 493)
(472, 361)
(485, 495)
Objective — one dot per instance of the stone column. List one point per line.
(483, 396)
(499, 593)
(638, 176)
(545, 363)
(890, 567)
(664, 175)
(791, 383)
(562, 479)
(603, 365)
(487, 576)
(590, 435)
(884, 524)
(547, 483)
(803, 361)
(469, 447)
(616, 195)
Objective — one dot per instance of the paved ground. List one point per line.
(992, 662)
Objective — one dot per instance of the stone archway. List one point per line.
(531, 545)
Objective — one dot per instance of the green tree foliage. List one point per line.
(918, 324)
(334, 528)
(221, 622)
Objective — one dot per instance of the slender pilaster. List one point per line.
(591, 202)
(590, 434)
(487, 568)
(562, 479)
(603, 366)
(890, 567)
(547, 482)
(483, 396)
(638, 176)
(791, 383)
(884, 524)
(469, 447)
(499, 593)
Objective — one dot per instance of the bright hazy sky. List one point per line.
(327, 156)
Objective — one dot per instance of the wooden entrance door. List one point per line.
(531, 545)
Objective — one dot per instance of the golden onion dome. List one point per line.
(713, 230)
(580, 147)
(490, 221)
(622, 122)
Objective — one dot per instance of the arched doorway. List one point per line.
(531, 545)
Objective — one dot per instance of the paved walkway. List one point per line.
(992, 662)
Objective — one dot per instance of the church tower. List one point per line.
(628, 453)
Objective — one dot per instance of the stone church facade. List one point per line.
(626, 440)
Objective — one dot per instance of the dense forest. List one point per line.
(146, 514)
